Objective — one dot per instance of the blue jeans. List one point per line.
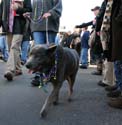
(24, 50)
(84, 56)
(118, 73)
(40, 37)
(4, 47)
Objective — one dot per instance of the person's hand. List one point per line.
(98, 33)
(46, 15)
(94, 21)
(16, 5)
(27, 14)
(76, 26)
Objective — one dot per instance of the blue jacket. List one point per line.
(85, 39)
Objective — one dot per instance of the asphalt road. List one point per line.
(20, 103)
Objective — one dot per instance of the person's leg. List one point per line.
(5, 52)
(118, 76)
(42, 36)
(84, 56)
(1, 46)
(39, 38)
(117, 102)
(99, 64)
(108, 77)
(51, 37)
(9, 37)
(24, 51)
(14, 62)
(118, 73)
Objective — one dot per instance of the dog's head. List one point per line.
(41, 57)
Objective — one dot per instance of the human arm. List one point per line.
(26, 7)
(84, 25)
(56, 11)
(100, 16)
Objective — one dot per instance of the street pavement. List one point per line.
(20, 103)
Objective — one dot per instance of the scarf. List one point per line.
(106, 20)
(12, 12)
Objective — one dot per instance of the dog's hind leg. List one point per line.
(71, 80)
(52, 99)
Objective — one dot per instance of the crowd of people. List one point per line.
(38, 20)
(105, 44)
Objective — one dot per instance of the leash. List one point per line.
(47, 39)
(38, 21)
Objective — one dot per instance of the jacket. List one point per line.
(19, 21)
(52, 6)
(115, 46)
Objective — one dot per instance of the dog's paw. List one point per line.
(43, 114)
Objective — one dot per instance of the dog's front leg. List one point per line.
(52, 99)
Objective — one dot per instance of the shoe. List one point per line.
(36, 81)
(83, 66)
(97, 73)
(23, 62)
(110, 88)
(115, 102)
(92, 63)
(9, 76)
(114, 94)
(18, 72)
(102, 84)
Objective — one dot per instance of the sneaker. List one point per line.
(35, 81)
(110, 88)
(83, 67)
(114, 94)
(102, 84)
(115, 102)
(9, 76)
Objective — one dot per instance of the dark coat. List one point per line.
(116, 31)
(99, 18)
(19, 21)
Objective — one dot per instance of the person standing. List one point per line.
(84, 48)
(115, 51)
(44, 25)
(13, 21)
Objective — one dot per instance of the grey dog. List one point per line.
(63, 61)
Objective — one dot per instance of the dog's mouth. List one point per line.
(34, 70)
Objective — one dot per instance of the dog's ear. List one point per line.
(51, 49)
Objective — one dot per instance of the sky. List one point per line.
(76, 12)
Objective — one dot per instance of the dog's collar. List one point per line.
(52, 73)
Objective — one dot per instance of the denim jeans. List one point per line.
(84, 56)
(118, 73)
(40, 37)
(24, 50)
(4, 47)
